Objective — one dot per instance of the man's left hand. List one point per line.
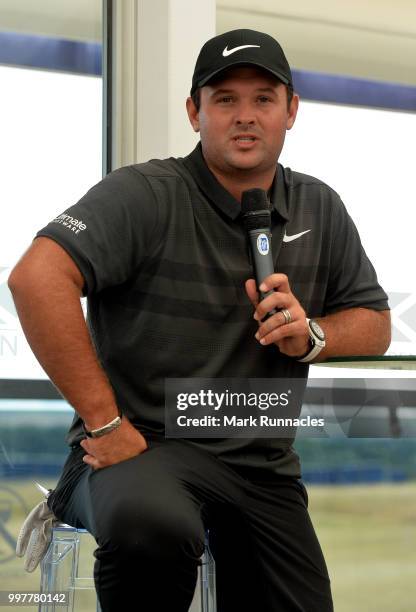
(292, 338)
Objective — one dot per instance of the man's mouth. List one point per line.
(245, 138)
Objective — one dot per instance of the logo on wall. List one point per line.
(403, 317)
(8, 318)
(12, 512)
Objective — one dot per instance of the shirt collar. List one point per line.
(222, 198)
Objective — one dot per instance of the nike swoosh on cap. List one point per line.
(287, 238)
(228, 51)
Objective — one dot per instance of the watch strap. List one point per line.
(314, 352)
(317, 346)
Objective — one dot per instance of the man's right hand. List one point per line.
(123, 443)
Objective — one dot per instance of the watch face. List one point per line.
(317, 330)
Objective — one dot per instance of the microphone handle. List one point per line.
(261, 254)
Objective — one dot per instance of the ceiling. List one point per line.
(368, 38)
(365, 38)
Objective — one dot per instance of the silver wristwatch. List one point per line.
(105, 429)
(316, 339)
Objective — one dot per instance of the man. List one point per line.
(160, 251)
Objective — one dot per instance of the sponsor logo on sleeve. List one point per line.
(74, 225)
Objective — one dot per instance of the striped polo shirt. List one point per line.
(163, 252)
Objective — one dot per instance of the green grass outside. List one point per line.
(367, 533)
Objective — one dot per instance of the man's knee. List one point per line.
(152, 530)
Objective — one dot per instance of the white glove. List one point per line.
(35, 535)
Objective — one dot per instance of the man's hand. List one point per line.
(121, 444)
(353, 331)
(291, 338)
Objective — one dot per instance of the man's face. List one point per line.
(243, 118)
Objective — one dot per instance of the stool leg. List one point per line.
(208, 586)
(59, 569)
(205, 592)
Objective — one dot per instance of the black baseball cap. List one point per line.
(240, 47)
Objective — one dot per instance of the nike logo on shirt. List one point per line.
(228, 51)
(287, 238)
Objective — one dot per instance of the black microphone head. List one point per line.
(254, 199)
(255, 208)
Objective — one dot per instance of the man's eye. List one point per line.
(263, 99)
(225, 99)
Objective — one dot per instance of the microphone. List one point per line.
(255, 209)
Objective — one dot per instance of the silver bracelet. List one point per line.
(104, 430)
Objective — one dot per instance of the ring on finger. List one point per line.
(287, 315)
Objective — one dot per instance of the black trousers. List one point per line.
(148, 515)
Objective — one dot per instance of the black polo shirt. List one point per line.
(162, 249)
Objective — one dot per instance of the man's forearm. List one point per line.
(51, 316)
(356, 331)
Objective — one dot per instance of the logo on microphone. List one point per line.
(263, 245)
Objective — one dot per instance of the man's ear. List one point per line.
(192, 114)
(293, 111)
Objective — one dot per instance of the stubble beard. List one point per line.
(238, 166)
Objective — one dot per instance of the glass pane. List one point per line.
(362, 492)
(51, 153)
(362, 500)
(51, 132)
(32, 449)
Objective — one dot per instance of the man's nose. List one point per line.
(245, 114)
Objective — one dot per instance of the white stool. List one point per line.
(61, 573)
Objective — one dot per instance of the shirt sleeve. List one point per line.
(352, 279)
(110, 230)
